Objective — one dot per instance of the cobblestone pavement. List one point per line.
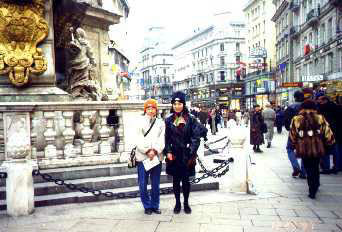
(280, 205)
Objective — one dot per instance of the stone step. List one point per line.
(78, 197)
(98, 183)
(73, 173)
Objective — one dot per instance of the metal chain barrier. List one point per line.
(216, 150)
(212, 173)
(218, 140)
(3, 175)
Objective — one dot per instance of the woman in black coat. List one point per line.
(182, 139)
(257, 123)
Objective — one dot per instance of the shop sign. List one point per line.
(260, 90)
(292, 84)
(313, 78)
(258, 52)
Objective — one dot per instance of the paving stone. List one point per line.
(270, 212)
(248, 211)
(132, 225)
(232, 222)
(326, 214)
(301, 219)
(286, 212)
(172, 227)
(220, 228)
(305, 213)
(185, 218)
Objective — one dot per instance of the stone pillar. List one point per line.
(19, 187)
(68, 134)
(50, 136)
(239, 182)
(86, 134)
(121, 145)
(104, 146)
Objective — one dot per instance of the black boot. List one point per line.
(187, 208)
(177, 208)
(268, 144)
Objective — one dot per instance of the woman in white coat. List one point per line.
(150, 147)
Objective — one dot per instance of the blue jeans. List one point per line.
(293, 159)
(339, 156)
(154, 174)
(335, 150)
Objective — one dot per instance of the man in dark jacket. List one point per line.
(291, 111)
(332, 113)
(203, 117)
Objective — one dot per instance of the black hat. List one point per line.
(299, 96)
(178, 96)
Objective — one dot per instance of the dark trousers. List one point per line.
(185, 187)
(311, 166)
(279, 128)
(143, 176)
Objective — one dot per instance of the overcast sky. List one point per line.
(179, 17)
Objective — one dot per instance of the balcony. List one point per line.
(295, 5)
(312, 18)
(295, 31)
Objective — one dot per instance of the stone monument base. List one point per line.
(33, 94)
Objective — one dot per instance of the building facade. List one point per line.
(315, 44)
(259, 82)
(206, 65)
(156, 66)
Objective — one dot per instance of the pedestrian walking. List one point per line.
(203, 117)
(245, 118)
(333, 114)
(310, 134)
(291, 111)
(279, 119)
(212, 121)
(182, 139)
(269, 118)
(256, 129)
(150, 144)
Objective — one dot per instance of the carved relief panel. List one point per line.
(22, 28)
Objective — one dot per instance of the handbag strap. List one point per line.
(147, 131)
(150, 128)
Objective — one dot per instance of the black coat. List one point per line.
(333, 113)
(183, 143)
(256, 135)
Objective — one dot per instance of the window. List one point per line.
(322, 34)
(222, 76)
(330, 62)
(264, 26)
(163, 61)
(322, 65)
(316, 67)
(340, 60)
(222, 60)
(164, 71)
(286, 48)
(329, 32)
(237, 46)
(222, 47)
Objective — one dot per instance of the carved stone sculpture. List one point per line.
(81, 68)
(22, 27)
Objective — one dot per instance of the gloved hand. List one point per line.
(192, 161)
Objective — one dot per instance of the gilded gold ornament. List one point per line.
(22, 28)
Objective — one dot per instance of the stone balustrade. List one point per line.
(64, 134)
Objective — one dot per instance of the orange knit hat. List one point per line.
(150, 103)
